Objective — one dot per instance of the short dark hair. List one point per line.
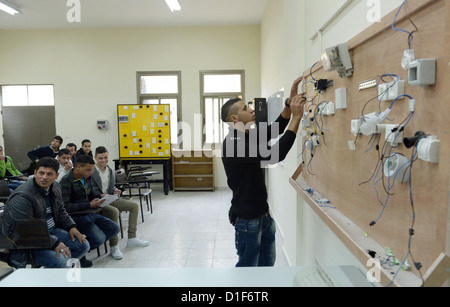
(63, 151)
(48, 163)
(100, 150)
(85, 141)
(226, 109)
(72, 145)
(83, 160)
(60, 139)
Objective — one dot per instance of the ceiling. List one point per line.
(52, 14)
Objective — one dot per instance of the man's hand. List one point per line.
(297, 105)
(68, 166)
(294, 89)
(74, 233)
(297, 108)
(96, 202)
(294, 93)
(63, 250)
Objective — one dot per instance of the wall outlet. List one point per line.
(392, 90)
(394, 137)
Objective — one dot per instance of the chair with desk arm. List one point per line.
(27, 235)
(135, 181)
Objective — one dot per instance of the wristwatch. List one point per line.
(286, 103)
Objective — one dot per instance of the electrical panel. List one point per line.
(102, 124)
(144, 131)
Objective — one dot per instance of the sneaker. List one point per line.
(135, 242)
(85, 263)
(116, 253)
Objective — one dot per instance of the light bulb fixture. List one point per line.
(173, 5)
(9, 8)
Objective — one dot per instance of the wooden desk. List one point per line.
(167, 169)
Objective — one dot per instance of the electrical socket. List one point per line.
(393, 137)
(390, 91)
(327, 109)
(355, 126)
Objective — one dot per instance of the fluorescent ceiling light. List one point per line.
(173, 5)
(9, 8)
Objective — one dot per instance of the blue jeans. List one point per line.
(97, 228)
(255, 241)
(47, 257)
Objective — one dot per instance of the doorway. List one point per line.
(26, 128)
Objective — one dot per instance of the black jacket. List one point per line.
(75, 196)
(41, 152)
(242, 156)
(28, 202)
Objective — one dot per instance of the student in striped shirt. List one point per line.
(41, 198)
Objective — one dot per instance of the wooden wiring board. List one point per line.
(338, 173)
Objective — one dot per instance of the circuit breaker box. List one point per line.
(144, 131)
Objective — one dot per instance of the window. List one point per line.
(217, 87)
(27, 95)
(162, 88)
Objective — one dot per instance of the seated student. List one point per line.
(85, 149)
(73, 150)
(65, 164)
(7, 169)
(78, 195)
(46, 151)
(41, 198)
(104, 179)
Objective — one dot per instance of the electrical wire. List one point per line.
(417, 265)
(310, 71)
(410, 34)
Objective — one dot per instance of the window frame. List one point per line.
(220, 95)
(28, 95)
(160, 96)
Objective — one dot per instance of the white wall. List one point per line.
(282, 61)
(93, 70)
(286, 52)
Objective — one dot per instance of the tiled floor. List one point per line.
(186, 229)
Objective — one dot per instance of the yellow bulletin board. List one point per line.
(144, 131)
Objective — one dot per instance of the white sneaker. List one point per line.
(135, 242)
(116, 254)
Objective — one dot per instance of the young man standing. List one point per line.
(243, 155)
(41, 198)
(104, 183)
(78, 195)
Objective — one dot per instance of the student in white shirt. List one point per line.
(104, 179)
(65, 164)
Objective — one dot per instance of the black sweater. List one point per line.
(242, 156)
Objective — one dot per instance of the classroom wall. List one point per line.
(93, 70)
(286, 52)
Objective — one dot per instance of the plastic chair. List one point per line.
(127, 184)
